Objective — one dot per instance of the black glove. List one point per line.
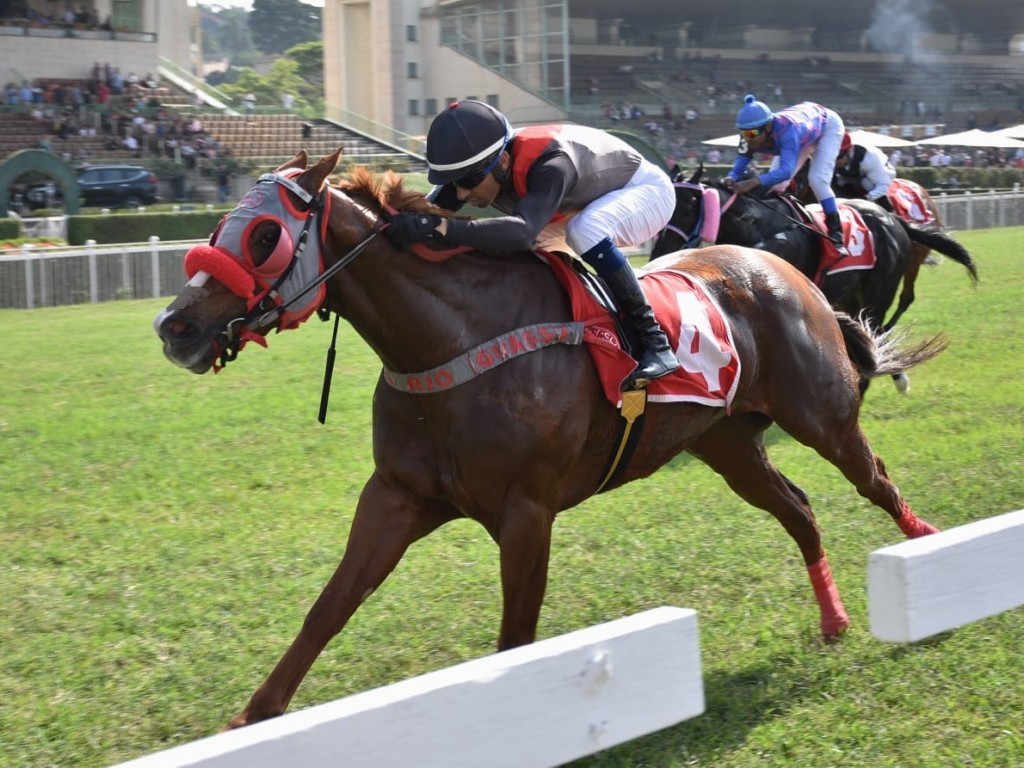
(404, 229)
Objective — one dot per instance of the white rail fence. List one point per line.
(925, 586)
(539, 705)
(53, 277)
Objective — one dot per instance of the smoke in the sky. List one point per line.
(895, 25)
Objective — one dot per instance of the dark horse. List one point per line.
(768, 222)
(911, 202)
(517, 444)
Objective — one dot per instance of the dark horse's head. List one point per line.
(708, 214)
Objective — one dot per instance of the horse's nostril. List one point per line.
(176, 330)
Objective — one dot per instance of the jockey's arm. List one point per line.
(546, 184)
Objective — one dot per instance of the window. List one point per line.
(410, 33)
(412, 70)
(414, 106)
(431, 107)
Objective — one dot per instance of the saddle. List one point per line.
(857, 237)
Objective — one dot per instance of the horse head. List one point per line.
(258, 272)
(695, 219)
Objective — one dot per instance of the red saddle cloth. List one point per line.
(859, 243)
(908, 204)
(696, 328)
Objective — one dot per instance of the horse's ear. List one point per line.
(695, 179)
(299, 161)
(314, 178)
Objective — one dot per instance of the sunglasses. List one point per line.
(474, 180)
(751, 133)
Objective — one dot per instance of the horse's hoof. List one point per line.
(902, 382)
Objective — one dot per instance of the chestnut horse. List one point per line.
(550, 428)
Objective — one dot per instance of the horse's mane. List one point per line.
(386, 190)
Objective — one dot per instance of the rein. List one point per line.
(801, 224)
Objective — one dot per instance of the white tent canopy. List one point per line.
(858, 137)
(1014, 131)
(732, 140)
(879, 140)
(974, 138)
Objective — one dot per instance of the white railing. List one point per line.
(57, 276)
(538, 705)
(988, 210)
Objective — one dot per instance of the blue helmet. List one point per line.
(753, 113)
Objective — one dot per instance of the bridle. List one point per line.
(289, 288)
(709, 211)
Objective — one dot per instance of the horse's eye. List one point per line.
(263, 241)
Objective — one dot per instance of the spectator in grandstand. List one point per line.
(863, 171)
(532, 175)
(792, 134)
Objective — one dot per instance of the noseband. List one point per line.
(267, 303)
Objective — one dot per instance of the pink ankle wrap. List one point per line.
(834, 620)
(912, 526)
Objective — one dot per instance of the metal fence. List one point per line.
(58, 276)
(54, 277)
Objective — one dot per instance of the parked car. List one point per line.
(117, 186)
(44, 194)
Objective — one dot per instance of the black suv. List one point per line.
(117, 185)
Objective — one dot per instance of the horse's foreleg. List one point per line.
(387, 520)
(734, 448)
(525, 543)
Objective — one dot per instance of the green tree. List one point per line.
(277, 25)
(310, 60)
(226, 32)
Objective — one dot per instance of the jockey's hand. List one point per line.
(404, 229)
(742, 187)
(728, 182)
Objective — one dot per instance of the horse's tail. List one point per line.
(944, 244)
(874, 353)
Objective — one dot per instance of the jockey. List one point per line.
(579, 182)
(863, 171)
(792, 135)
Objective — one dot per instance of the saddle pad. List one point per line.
(696, 328)
(907, 203)
(859, 243)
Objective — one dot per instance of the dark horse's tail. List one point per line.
(944, 244)
(875, 353)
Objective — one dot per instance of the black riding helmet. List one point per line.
(465, 139)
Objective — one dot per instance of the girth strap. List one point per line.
(633, 412)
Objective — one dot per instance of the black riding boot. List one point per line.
(655, 357)
(835, 232)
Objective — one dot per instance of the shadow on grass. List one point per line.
(735, 703)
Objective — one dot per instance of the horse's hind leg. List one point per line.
(387, 520)
(840, 440)
(734, 448)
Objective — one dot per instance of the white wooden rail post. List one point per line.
(94, 282)
(539, 705)
(30, 288)
(933, 584)
(154, 264)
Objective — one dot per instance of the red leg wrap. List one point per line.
(913, 526)
(834, 620)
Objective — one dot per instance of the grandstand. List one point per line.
(910, 68)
